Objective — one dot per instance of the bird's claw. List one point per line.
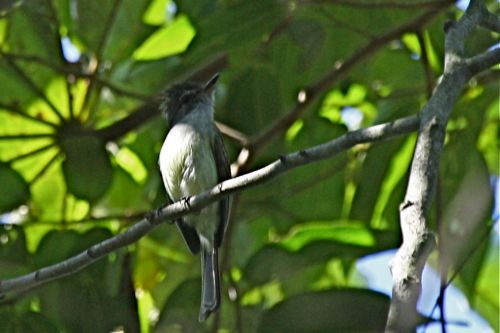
(154, 215)
(187, 202)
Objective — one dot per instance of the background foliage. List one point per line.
(80, 136)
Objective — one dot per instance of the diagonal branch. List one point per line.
(483, 61)
(490, 20)
(339, 71)
(195, 203)
(418, 240)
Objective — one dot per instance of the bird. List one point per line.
(193, 159)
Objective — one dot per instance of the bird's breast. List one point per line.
(186, 162)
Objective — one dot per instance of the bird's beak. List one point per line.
(210, 85)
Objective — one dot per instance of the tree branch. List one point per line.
(483, 61)
(490, 20)
(195, 203)
(418, 240)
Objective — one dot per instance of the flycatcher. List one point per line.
(192, 160)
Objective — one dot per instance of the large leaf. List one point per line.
(15, 190)
(13, 321)
(86, 168)
(101, 291)
(342, 310)
(14, 256)
(182, 308)
(311, 244)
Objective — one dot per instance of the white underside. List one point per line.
(188, 168)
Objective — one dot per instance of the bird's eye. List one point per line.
(185, 97)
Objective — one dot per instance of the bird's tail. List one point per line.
(210, 290)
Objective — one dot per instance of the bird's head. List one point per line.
(182, 98)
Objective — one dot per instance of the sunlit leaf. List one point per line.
(303, 234)
(168, 40)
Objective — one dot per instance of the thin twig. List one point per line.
(232, 133)
(424, 58)
(472, 251)
(443, 264)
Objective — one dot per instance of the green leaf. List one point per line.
(31, 30)
(14, 256)
(309, 247)
(29, 321)
(156, 14)
(123, 37)
(254, 100)
(87, 169)
(196, 9)
(487, 141)
(393, 69)
(181, 308)
(309, 35)
(15, 190)
(102, 291)
(342, 310)
(170, 39)
(464, 219)
(124, 195)
(485, 298)
(303, 234)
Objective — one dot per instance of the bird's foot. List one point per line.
(155, 215)
(187, 202)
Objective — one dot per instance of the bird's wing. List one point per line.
(223, 173)
(190, 236)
